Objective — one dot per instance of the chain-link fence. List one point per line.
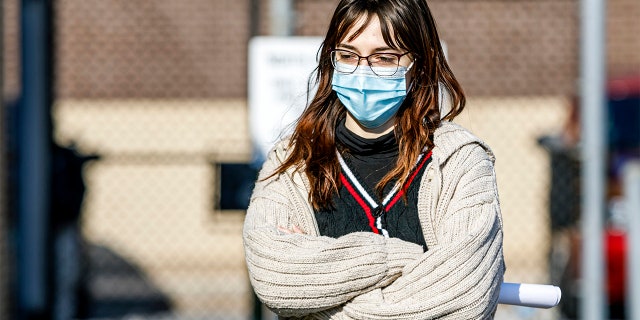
(157, 92)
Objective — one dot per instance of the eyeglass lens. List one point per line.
(382, 64)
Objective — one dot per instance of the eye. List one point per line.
(346, 56)
(384, 59)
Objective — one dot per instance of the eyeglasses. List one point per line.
(382, 64)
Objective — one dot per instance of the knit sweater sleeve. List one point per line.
(460, 276)
(296, 274)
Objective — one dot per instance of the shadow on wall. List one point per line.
(113, 287)
(85, 280)
(90, 281)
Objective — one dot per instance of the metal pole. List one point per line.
(632, 203)
(281, 17)
(254, 16)
(594, 150)
(34, 148)
(4, 254)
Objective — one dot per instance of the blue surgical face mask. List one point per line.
(370, 99)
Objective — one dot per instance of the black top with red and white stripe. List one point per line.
(357, 207)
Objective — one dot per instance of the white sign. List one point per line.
(279, 72)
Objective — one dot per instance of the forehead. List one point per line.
(366, 31)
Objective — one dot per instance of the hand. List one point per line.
(293, 230)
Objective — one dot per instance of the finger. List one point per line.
(285, 230)
(297, 230)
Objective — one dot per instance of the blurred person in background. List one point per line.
(378, 206)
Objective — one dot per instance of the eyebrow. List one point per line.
(350, 47)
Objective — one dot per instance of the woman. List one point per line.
(378, 206)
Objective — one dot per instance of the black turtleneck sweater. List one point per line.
(370, 159)
(367, 162)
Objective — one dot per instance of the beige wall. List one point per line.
(523, 171)
(150, 196)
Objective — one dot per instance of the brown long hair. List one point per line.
(407, 25)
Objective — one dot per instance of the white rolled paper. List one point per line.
(529, 295)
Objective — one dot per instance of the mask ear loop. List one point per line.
(410, 87)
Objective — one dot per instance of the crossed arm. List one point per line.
(366, 276)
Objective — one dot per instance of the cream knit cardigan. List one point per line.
(363, 275)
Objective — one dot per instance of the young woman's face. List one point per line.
(370, 41)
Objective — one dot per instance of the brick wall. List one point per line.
(623, 40)
(152, 49)
(197, 48)
(508, 48)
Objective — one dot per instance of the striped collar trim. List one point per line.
(394, 194)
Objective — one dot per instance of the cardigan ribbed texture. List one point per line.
(363, 275)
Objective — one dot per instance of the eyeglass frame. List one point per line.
(366, 58)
